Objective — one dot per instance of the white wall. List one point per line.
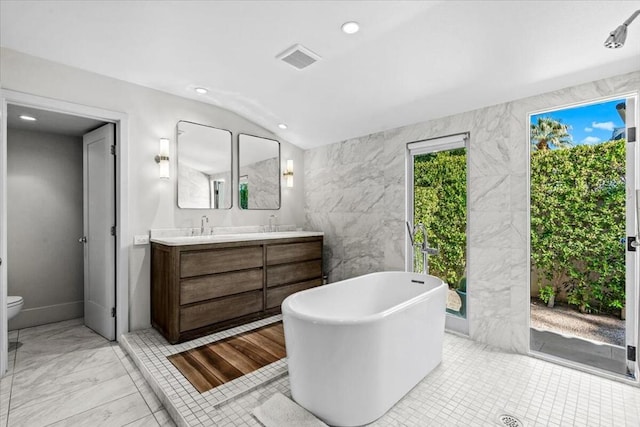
(355, 193)
(152, 114)
(44, 222)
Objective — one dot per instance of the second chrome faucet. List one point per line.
(204, 220)
(424, 246)
(273, 223)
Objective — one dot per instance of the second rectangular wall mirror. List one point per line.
(204, 167)
(258, 172)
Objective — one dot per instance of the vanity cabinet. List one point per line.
(197, 289)
(291, 267)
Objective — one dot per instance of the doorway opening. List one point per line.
(60, 190)
(118, 202)
(583, 169)
(437, 203)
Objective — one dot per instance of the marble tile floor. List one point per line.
(473, 386)
(610, 358)
(64, 374)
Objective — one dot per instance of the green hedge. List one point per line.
(440, 203)
(578, 221)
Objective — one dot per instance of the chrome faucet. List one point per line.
(203, 220)
(273, 223)
(424, 246)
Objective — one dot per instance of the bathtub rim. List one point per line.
(287, 310)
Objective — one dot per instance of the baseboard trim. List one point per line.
(37, 316)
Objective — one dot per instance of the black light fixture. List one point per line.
(618, 36)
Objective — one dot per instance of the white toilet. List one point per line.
(14, 306)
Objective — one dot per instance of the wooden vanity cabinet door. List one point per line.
(294, 272)
(293, 252)
(199, 263)
(219, 310)
(276, 295)
(196, 289)
(292, 267)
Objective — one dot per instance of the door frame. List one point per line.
(632, 303)
(431, 145)
(121, 121)
(633, 310)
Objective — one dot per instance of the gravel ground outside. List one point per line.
(569, 321)
(453, 300)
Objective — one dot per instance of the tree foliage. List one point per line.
(548, 133)
(440, 203)
(578, 221)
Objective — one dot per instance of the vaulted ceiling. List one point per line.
(411, 61)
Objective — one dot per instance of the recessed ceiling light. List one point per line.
(201, 90)
(282, 126)
(28, 118)
(350, 27)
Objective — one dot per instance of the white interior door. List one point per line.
(633, 229)
(99, 231)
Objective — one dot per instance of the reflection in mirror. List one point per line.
(259, 172)
(204, 167)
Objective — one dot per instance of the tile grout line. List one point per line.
(91, 409)
(13, 372)
(136, 385)
(101, 403)
(251, 389)
(126, 346)
(52, 396)
(155, 416)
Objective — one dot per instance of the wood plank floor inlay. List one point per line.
(214, 364)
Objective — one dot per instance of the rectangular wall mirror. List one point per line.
(204, 167)
(258, 172)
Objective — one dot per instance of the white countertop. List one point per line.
(226, 238)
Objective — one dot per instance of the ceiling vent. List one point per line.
(298, 56)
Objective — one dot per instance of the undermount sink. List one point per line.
(219, 238)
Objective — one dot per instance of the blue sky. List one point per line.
(590, 124)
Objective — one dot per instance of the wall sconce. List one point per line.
(288, 173)
(163, 158)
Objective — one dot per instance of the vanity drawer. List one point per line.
(219, 285)
(293, 273)
(219, 261)
(219, 310)
(275, 296)
(293, 252)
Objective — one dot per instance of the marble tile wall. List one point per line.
(263, 180)
(355, 193)
(194, 188)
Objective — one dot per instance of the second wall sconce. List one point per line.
(288, 173)
(163, 158)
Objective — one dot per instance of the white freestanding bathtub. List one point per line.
(356, 347)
